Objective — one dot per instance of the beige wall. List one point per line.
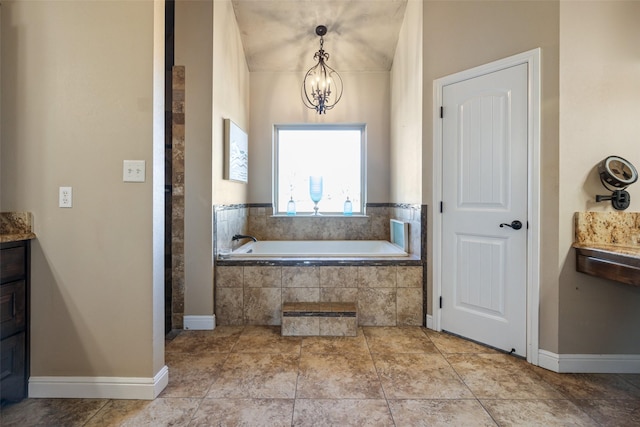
(275, 99)
(77, 99)
(217, 87)
(599, 116)
(460, 35)
(194, 50)
(230, 97)
(406, 110)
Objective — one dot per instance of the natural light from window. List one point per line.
(334, 152)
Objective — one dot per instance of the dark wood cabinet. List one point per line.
(619, 266)
(14, 320)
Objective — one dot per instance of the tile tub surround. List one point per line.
(257, 219)
(16, 226)
(239, 300)
(386, 295)
(229, 220)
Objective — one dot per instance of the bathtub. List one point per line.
(317, 249)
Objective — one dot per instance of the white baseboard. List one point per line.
(429, 321)
(200, 323)
(99, 387)
(548, 360)
(590, 363)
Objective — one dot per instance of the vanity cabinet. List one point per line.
(621, 266)
(14, 319)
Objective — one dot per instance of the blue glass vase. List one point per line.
(348, 207)
(315, 191)
(291, 207)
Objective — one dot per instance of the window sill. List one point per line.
(327, 215)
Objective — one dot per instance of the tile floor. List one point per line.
(402, 376)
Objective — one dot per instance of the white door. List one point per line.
(484, 176)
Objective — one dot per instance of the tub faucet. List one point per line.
(242, 236)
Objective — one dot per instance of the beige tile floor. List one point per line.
(405, 376)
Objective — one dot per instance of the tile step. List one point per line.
(319, 319)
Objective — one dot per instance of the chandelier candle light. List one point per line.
(321, 81)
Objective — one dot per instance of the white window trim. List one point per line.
(362, 127)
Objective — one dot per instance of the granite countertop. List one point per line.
(613, 232)
(7, 238)
(631, 251)
(15, 226)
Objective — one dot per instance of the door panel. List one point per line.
(484, 185)
(483, 182)
(480, 285)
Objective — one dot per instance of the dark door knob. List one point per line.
(516, 225)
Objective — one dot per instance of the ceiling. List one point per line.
(279, 35)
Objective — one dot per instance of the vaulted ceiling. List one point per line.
(279, 35)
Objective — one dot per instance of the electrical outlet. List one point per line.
(65, 199)
(133, 171)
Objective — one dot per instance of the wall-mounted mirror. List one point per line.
(616, 174)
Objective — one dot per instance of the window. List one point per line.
(334, 152)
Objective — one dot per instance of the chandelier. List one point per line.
(322, 85)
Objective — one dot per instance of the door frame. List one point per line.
(532, 59)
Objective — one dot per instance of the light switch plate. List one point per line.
(133, 171)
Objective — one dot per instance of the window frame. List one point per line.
(362, 127)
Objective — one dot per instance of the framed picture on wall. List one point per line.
(236, 156)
